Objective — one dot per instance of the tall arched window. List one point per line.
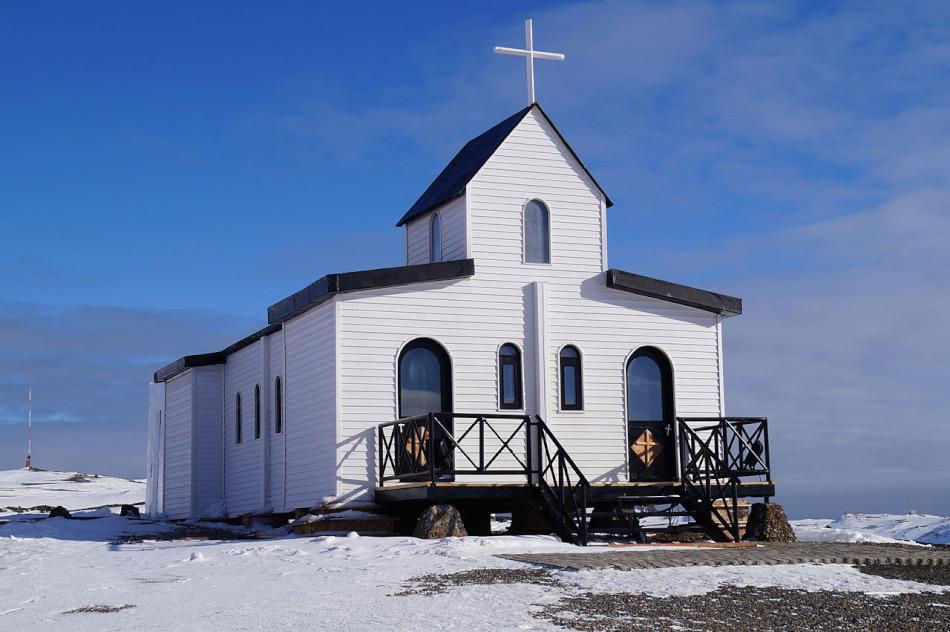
(509, 377)
(237, 418)
(435, 238)
(572, 388)
(425, 379)
(278, 406)
(650, 415)
(257, 411)
(537, 233)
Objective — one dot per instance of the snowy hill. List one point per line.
(26, 489)
(876, 528)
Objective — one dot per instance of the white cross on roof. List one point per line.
(529, 54)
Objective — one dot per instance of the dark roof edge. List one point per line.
(317, 293)
(722, 304)
(208, 359)
(574, 154)
(332, 284)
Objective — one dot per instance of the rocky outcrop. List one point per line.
(768, 523)
(129, 511)
(440, 521)
(59, 512)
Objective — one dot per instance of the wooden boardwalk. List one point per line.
(768, 554)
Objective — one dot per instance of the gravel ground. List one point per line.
(434, 584)
(753, 609)
(939, 575)
(728, 607)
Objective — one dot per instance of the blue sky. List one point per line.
(168, 172)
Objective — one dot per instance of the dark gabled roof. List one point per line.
(451, 183)
(674, 292)
(319, 292)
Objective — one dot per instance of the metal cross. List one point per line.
(529, 54)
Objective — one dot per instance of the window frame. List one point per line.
(238, 424)
(278, 405)
(665, 365)
(519, 378)
(446, 368)
(524, 233)
(257, 411)
(436, 218)
(578, 364)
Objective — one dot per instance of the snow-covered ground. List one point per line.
(49, 567)
(879, 528)
(30, 488)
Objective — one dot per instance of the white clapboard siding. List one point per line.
(310, 405)
(607, 326)
(242, 474)
(277, 446)
(178, 438)
(532, 163)
(471, 320)
(454, 239)
(208, 465)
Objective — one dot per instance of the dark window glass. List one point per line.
(537, 233)
(257, 411)
(435, 239)
(424, 379)
(572, 394)
(278, 407)
(509, 377)
(237, 418)
(649, 387)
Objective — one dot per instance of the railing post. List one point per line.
(379, 448)
(528, 449)
(430, 420)
(481, 445)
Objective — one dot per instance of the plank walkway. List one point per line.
(768, 554)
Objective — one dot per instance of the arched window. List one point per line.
(435, 238)
(257, 411)
(537, 233)
(572, 389)
(649, 386)
(509, 377)
(425, 379)
(237, 418)
(278, 407)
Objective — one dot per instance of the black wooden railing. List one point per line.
(717, 453)
(564, 488)
(437, 447)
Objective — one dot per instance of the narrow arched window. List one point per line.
(572, 392)
(509, 377)
(278, 407)
(257, 411)
(537, 233)
(237, 418)
(435, 238)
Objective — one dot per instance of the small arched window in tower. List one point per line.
(509, 377)
(435, 238)
(572, 391)
(237, 418)
(537, 233)
(278, 407)
(257, 411)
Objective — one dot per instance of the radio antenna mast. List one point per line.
(29, 422)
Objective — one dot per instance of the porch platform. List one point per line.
(481, 491)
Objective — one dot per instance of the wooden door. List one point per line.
(650, 441)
